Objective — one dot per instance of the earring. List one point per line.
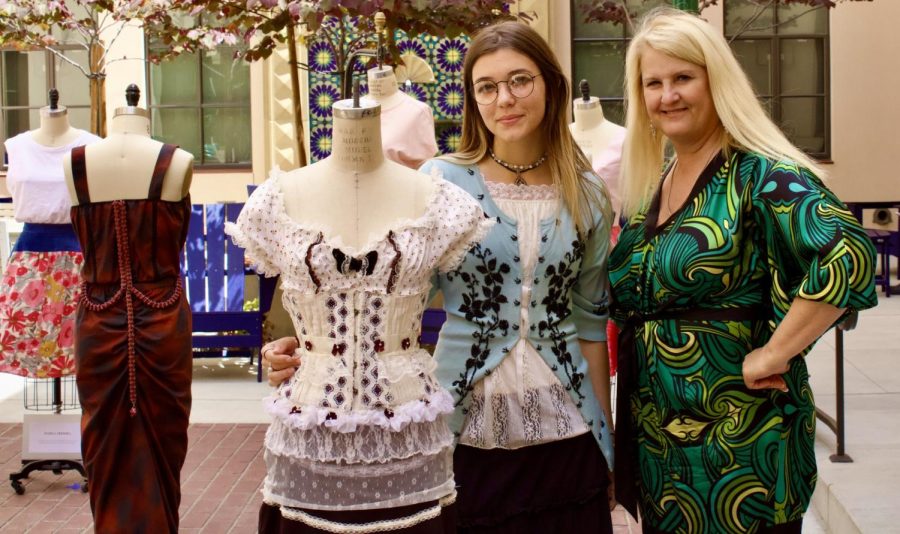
(652, 130)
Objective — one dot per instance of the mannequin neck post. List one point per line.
(382, 83)
(588, 115)
(54, 129)
(130, 123)
(356, 143)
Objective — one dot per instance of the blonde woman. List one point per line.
(734, 260)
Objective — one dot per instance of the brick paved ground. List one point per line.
(221, 480)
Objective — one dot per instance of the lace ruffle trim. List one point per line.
(500, 190)
(395, 418)
(365, 446)
(254, 251)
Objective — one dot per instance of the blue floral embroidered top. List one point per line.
(569, 299)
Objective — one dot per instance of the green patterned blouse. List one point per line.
(713, 456)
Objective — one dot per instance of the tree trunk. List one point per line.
(299, 148)
(98, 92)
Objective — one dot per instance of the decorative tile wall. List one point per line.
(445, 95)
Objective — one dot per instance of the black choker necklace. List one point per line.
(518, 169)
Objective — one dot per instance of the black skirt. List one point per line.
(272, 521)
(552, 487)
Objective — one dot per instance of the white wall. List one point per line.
(865, 114)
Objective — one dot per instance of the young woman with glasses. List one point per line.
(523, 350)
(524, 347)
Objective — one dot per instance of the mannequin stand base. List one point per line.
(57, 466)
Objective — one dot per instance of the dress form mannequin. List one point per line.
(130, 211)
(54, 130)
(128, 151)
(407, 125)
(355, 193)
(40, 200)
(599, 139)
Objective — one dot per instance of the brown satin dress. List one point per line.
(133, 354)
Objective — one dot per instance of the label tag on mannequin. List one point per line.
(51, 437)
(357, 143)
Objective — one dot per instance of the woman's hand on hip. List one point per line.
(763, 368)
(280, 360)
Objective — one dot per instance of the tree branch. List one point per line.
(753, 18)
(63, 57)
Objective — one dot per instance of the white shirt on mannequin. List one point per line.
(35, 176)
(407, 125)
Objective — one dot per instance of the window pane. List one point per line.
(614, 111)
(80, 118)
(803, 121)
(602, 64)
(20, 120)
(802, 66)
(743, 15)
(637, 8)
(74, 88)
(755, 55)
(596, 30)
(799, 19)
(767, 105)
(24, 79)
(175, 81)
(226, 135)
(178, 126)
(225, 79)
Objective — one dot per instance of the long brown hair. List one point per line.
(568, 164)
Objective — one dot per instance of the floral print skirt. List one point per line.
(38, 296)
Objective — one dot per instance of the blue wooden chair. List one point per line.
(432, 321)
(215, 287)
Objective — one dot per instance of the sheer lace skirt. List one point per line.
(309, 484)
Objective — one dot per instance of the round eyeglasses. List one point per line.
(520, 86)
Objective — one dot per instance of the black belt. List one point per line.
(626, 384)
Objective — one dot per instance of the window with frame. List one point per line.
(598, 56)
(784, 50)
(26, 78)
(201, 102)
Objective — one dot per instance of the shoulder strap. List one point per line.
(79, 175)
(159, 171)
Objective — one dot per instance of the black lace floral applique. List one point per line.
(481, 305)
(560, 278)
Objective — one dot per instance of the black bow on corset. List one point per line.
(347, 264)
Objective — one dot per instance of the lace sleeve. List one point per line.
(257, 230)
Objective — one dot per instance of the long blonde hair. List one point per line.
(746, 124)
(568, 164)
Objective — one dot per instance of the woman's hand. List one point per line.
(611, 492)
(279, 359)
(763, 368)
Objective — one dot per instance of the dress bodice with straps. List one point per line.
(133, 352)
(155, 229)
